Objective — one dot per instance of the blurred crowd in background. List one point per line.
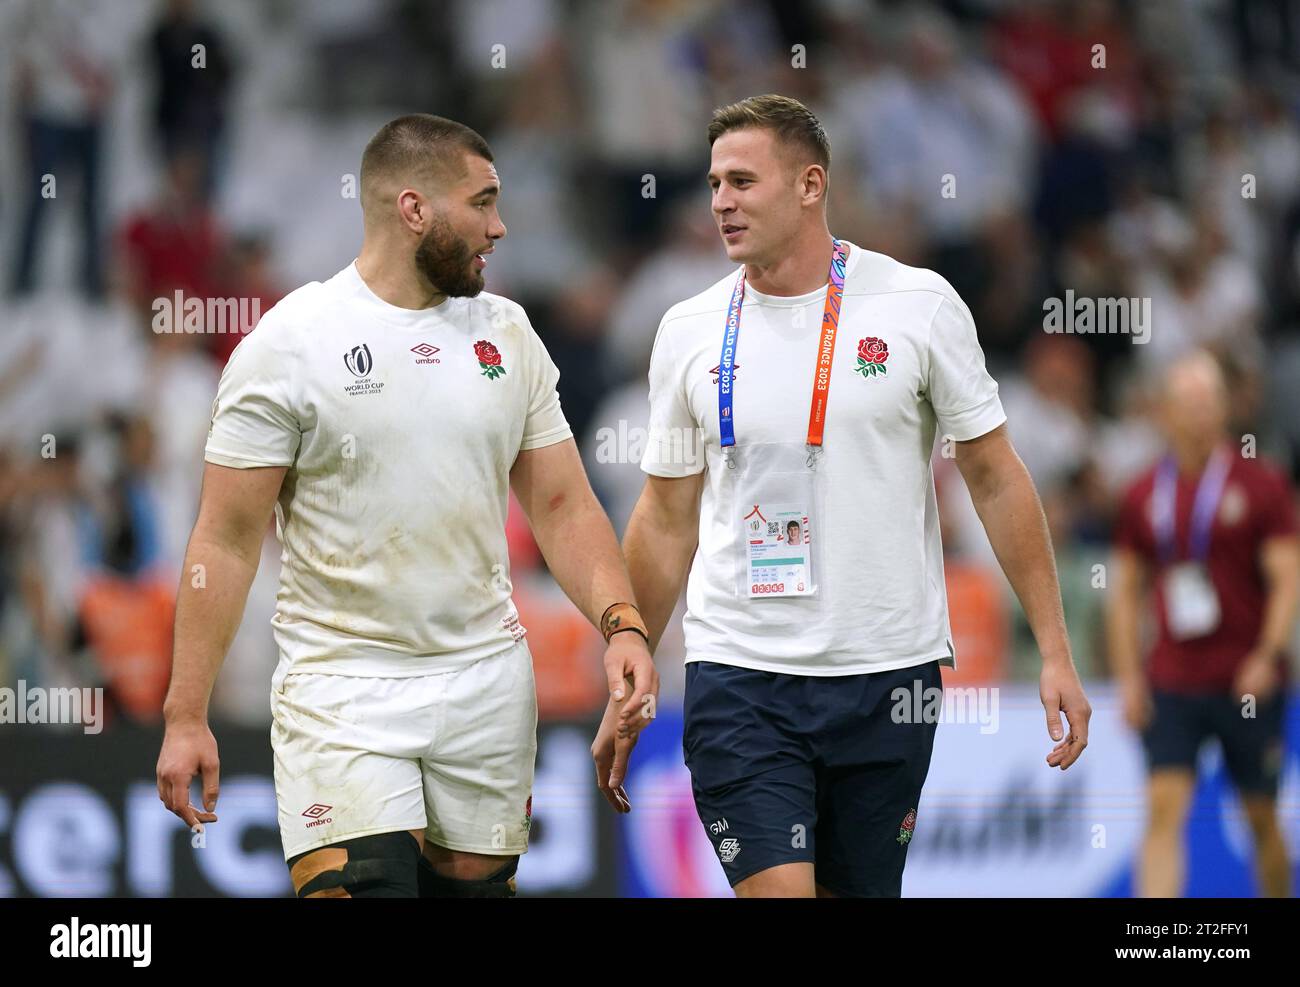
(1022, 148)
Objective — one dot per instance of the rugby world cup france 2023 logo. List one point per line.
(359, 363)
(358, 360)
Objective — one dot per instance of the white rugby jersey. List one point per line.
(399, 428)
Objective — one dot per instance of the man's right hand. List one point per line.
(611, 753)
(189, 749)
(226, 545)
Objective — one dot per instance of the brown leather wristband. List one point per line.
(622, 617)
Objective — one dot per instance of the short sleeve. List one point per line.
(963, 395)
(1276, 509)
(253, 423)
(671, 447)
(545, 424)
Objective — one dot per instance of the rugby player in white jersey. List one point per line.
(806, 768)
(385, 415)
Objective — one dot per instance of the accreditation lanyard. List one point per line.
(1208, 492)
(821, 375)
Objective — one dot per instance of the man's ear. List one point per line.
(812, 183)
(413, 209)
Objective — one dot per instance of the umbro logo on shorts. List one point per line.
(728, 849)
(315, 812)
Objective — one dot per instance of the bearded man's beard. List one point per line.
(446, 260)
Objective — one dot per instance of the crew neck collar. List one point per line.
(393, 314)
(817, 294)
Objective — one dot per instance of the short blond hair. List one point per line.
(794, 125)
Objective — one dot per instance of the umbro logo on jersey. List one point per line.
(717, 371)
(359, 363)
(425, 353)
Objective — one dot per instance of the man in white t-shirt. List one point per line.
(385, 415)
(806, 759)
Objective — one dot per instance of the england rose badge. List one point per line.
(872, 354)
(489, 358)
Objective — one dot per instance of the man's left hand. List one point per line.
(628, 657)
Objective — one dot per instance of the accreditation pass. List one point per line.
(778, 553)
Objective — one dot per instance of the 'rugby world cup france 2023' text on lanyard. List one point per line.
(775, 503)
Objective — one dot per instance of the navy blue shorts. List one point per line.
(791, 768)
(1252, 746)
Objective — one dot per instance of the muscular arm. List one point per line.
(234, 509)
(226, 542)
(579, 546)
(1008, 506)
(659, 544)
(571, 528)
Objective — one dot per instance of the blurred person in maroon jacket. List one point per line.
(245, 273)
(177, 243)
(1215, 534)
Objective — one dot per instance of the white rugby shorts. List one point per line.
(451, 754)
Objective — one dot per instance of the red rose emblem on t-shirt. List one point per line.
(872, 354)
(489, 358)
